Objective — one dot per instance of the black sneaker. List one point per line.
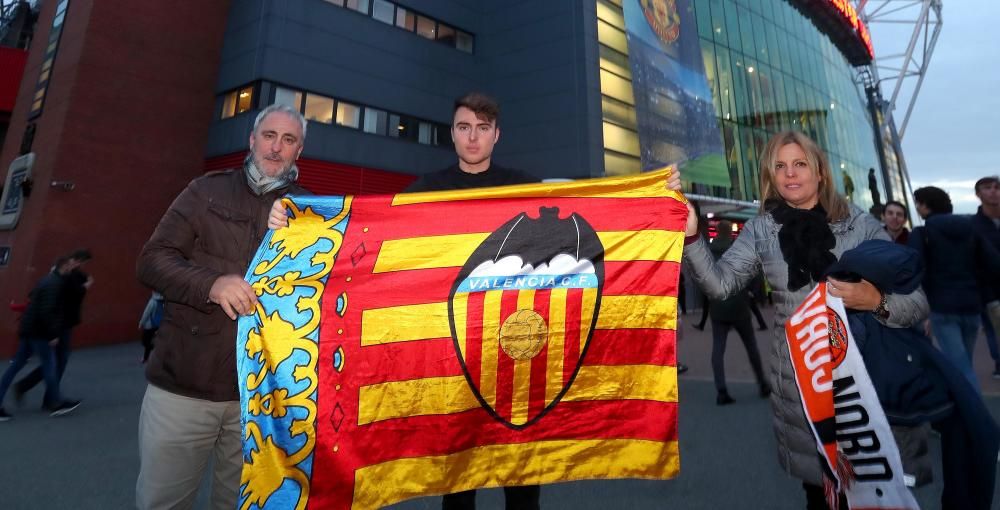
(723, 399)
(4, 416)
(66, 407)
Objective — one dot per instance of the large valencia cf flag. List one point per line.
(436, 342)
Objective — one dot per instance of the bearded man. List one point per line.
(196, 259)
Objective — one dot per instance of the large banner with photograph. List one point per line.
(673, 102)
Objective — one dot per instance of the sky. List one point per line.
(953, 136)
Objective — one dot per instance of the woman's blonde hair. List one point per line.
(835, 206)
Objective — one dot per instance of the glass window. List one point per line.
(446, 34)
(426, 133)
(733, 27)
(244, 99)
(407, 128)
(464, 41)
(704, 16)
(726, 87)
(228, 105)
(348, 114)
(357, 5)
(288, 97)
(384, 11)
(394, 126)
(718, 21)
(615, 86)
(443, 135)
(405, 19)
(746, 32)
(375, 121)
(426, 27)
(319, 108)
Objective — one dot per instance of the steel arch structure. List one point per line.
(895, 63)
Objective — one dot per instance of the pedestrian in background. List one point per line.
(956, 259)
(149, 322)
(894, 218)
(41, 326)
(74, 289)
(732, 313)
(987, 225)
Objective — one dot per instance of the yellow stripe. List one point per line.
(426, 252)
(404, 323)
(557, 341)
(418, 322)
(454, 250)
(447, 395)
(522, 370)
(461, 315)
(514, 464)
(644, 185)
(587, 315)
(638, 312)
(491, 345)
(416, 397)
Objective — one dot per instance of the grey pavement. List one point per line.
(89, 460)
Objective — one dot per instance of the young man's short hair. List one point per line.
(935, 199)
(485, 107)
(985, 181)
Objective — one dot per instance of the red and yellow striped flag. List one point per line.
(436, 342)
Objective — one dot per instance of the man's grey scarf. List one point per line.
(260, 183)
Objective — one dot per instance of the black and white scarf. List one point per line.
(260, 183)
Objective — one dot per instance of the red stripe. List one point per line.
(474, 334)
(632, 347)
(536, 392)
(505, 364)
(438, 435)
(571, 349)
(641, 277)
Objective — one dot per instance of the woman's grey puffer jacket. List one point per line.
(755, 249)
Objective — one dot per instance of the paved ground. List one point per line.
(88, 460)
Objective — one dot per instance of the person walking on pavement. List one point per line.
(75, 287)
(732, 313)
(956, 260)
(41, 326)
(987, 224)
(196, 259)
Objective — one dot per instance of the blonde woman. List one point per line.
(804, 226)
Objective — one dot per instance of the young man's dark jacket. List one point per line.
(212, 229)
(44, 318)
(989, 232)
(956, 261)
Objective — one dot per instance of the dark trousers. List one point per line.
(816, 500)
(42, 349)
(704, 312)
(36, 376)
(991, 338)
(518, 498)
(761, 323)
(720, 332)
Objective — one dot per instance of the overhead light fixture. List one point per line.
(750, 69)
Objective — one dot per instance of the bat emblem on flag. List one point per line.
(522, 311)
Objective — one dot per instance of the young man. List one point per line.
(41, 326)
(894, 218)
(987, 225)
(956, 260)
(196, 259)
(475, 132)
(75, 286)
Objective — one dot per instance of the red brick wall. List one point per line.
(125, 119)
(12, 61)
